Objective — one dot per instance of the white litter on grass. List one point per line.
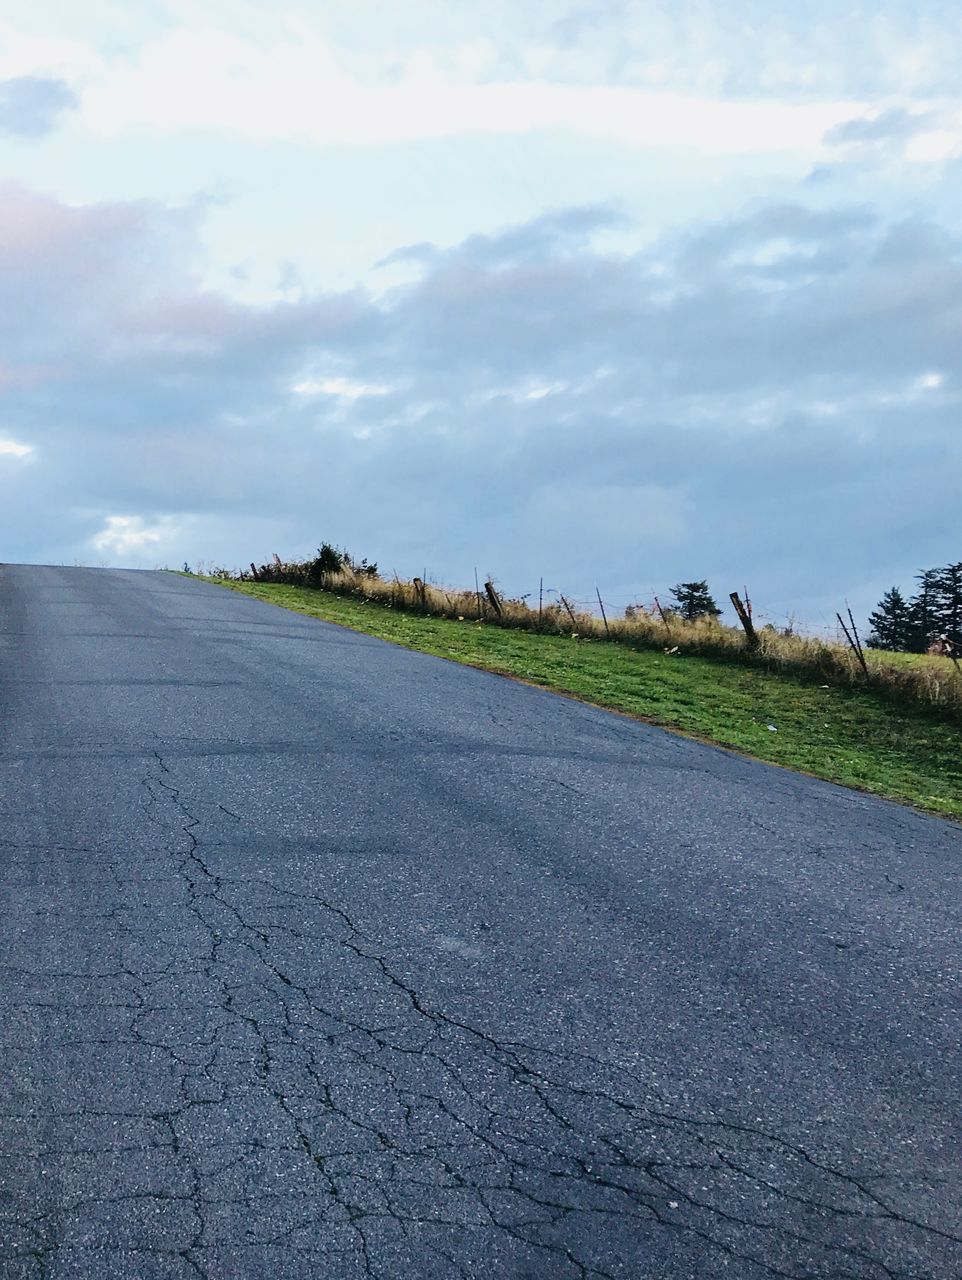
(772, 729)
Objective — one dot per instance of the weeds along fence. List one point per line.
(935, 685)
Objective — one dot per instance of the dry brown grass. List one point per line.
(934, 685)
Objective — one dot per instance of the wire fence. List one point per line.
(817, 654)
(787, 622)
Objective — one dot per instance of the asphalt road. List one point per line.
(326, 959)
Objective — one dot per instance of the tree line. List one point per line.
(935, 611)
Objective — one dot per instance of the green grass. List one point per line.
(916, 660)
(845, 735)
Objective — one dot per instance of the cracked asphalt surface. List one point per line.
(322, 958)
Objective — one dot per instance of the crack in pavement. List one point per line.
(301, 1100)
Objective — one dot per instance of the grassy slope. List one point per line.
(844, 735)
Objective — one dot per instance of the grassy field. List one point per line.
(843, 734)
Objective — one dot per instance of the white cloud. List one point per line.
(539, 393)
(917, 389)
(341, 388)
(934, 146)
(207, 79)
(13, 449)
(22, 53)
(124, 534)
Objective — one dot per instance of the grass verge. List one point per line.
(844, 735)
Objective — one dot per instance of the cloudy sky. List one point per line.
(607, 292)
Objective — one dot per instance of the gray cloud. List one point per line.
(754, 400)
(31, 106)
(878, 146)
(560, 232)
(894, 125)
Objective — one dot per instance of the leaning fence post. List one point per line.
(254, 571)
(570, 614)
(858, 642)
(745, 618)
(856, 648)
(419, 592)
(604, 616)
(493, 597)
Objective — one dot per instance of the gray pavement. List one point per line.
(326, 959)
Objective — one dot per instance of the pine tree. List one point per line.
(891, 623)
(693, 600)
(947, 606)
(924, 612)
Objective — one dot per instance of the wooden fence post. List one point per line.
(254, 571)
(855, 647)
(604, 616)
(570, 614)
(493, 597)
(419, 592)
(745, 618)
(861, 655)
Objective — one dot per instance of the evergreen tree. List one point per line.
(892, 623)
(924, 611)
(693, 600)
(947, 606)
